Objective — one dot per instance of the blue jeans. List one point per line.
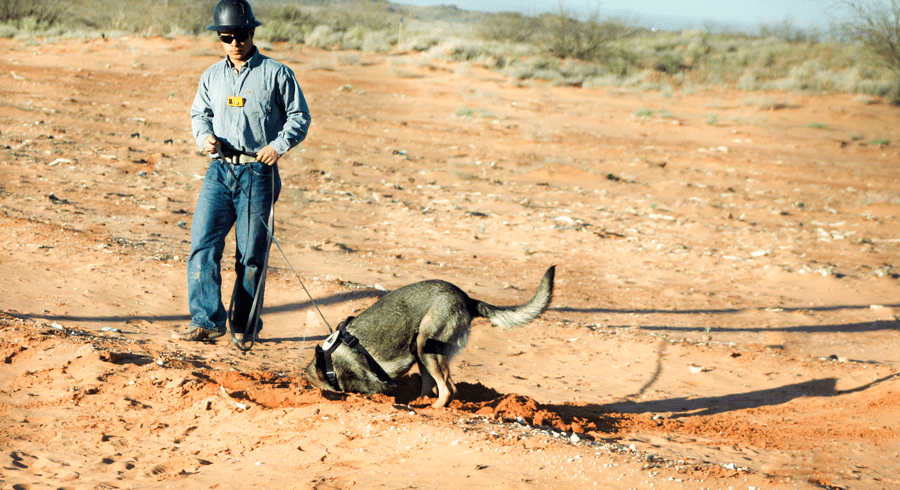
(223, 203)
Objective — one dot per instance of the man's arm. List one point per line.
(296, 112)
(202, 115)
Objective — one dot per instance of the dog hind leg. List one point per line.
(438, 366)
(434, 364)
(428, 383)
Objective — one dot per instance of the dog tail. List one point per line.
(515, 316)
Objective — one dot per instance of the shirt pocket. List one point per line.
(259, 102)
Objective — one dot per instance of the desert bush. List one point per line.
(142, 17)
(288, 23)
(566, 36)
(786, 30)
(347, 24)
(323, 36)
(507, 27)
(875, 24)
(343, 15)
(378, 41)
(32, 13)
(423, 42)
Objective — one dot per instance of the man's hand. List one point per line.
(212, 146)
(268, 155)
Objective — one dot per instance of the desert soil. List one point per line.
(725, 313)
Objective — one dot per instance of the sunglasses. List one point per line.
(239, 36)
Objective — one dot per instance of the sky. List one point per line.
(667, 15)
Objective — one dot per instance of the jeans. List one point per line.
(223, 203)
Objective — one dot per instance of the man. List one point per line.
(248, 111)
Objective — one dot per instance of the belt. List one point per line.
(239, 159)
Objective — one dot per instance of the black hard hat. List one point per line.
(233, 15)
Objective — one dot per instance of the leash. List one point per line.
(251, 328)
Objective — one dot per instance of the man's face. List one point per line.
(238, 44)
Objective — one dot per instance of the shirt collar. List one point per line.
(255, 60)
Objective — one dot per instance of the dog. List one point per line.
(424, 323)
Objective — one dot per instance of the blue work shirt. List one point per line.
(273, 110)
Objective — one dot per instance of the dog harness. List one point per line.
(342, 336)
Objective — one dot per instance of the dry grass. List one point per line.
(558, 47)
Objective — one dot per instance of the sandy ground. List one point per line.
(725, 314)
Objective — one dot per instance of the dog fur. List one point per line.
(424, 323)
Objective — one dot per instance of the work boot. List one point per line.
(196, 333)
(239, 336)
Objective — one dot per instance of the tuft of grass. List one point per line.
(565, 47)
(767, 104)
(348, 59)
(711, 119)
(814, 125)
(464, 112)
(879, 142)
(643, 112)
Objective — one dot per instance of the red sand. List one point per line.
(725, 312)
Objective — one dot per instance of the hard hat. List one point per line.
(233, 15)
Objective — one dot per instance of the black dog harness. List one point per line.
(342, 336)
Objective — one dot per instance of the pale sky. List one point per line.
(668, 14)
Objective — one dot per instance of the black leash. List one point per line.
(251, 329)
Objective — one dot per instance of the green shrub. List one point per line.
(507, 27)
(565, 36)
(373, 15)
(289, 23)
(876, 24)
(323, 36)
(32, 13)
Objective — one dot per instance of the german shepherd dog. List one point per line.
(426, 323)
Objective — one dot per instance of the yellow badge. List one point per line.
(236, 101)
